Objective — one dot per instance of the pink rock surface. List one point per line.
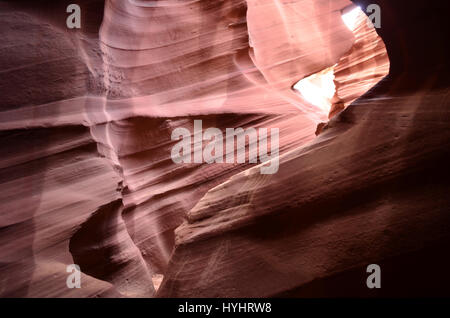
(86, 172)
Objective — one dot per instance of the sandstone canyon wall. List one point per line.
(87, 176)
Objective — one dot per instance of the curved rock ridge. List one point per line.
(86, 125)
(131, 81)
(362, 67)
(52, 178)
(88, 178)
(370, 189)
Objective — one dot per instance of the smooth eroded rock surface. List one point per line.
(87, 176)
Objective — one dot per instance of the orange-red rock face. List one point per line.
(363, 66)
(87, 177)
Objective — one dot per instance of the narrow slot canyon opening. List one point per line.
(363, 66)
(350, 17)
(157, 280)
(318, 89)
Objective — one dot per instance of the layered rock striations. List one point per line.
(371, 189)
(87, 173)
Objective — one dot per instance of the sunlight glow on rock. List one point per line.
(351, 17)
(318, 89)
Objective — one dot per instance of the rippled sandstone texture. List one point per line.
(87, 177)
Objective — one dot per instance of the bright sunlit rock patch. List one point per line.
(350, 17)
(318, 89)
